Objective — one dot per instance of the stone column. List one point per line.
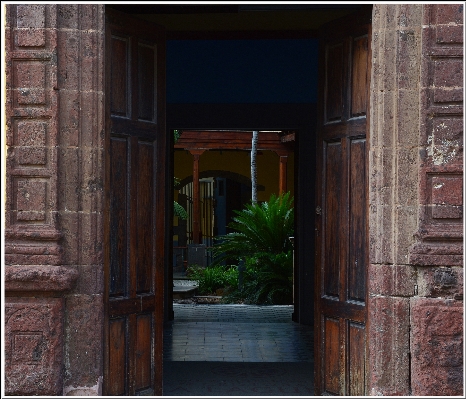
(415, 206)
(54, 180)
(393, 192)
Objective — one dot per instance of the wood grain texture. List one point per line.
(359, 76)
(119, 76)
(116, 383)
(134, 137)
(342, 194)
(118, 216)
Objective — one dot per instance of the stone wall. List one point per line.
(437, 311)
(53, 214)
(415, 276)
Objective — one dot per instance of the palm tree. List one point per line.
(255, 139)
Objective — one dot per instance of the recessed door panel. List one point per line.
(333, 174)
(357, 221)
(119, 76)
(359, 77)
(332, 356)
(356, 358)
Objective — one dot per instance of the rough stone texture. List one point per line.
(31, 108)
(80, 79)
(437, 324)
(440, 233)
(393, 158)
(441, 282)
(389, 346)
(33, 252)
(55, 173)
(437, 347)
(416, 194)
(392, 280)
(393, 192)
(39, 278)
(34, 346)
(95, 390)
(83, 346)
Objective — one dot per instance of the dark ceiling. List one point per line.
(261, 17)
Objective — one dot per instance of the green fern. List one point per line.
(261, 237)
(262, 227)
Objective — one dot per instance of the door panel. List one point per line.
(133, 269)
(356, 358)
(333, 172)
(332, 365)
(117, 357)
(359, 77)
(342, 247)
(357, 222)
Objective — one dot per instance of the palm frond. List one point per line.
(179, 211)
(261, 237)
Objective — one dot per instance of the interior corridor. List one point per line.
(231, 350)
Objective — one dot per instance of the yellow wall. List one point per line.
(238, 162)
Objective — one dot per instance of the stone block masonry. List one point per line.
(54, 183)
(416, 197)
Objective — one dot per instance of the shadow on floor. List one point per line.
(238, 379)
(231, 350)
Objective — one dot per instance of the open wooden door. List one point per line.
(342, 205)
(135, 230)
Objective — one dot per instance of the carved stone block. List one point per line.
(437, 347)
(34, 346)
(31, 200)
(30, 16)
(30, 37)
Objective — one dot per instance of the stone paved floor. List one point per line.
(236, 333)
(237, 350)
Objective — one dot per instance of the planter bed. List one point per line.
(207, 299)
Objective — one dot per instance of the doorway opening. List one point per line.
(212, 178)
(200, 115)
(204, 338)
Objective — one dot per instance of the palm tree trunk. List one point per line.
(255, 137)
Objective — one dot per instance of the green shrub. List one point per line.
(214, 277)
(267, 280)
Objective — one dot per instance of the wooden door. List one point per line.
(135, 223)
(342, 204)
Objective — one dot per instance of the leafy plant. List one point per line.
(179, 211)
(213, 277)
(268, 279)
(259, 228)
(262, 240)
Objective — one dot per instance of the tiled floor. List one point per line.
(237, 350)
(236, 333)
